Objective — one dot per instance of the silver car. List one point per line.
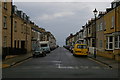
(38, 52)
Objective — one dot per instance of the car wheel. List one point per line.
(34, 56)
(74, 55)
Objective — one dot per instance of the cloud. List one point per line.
(61, 18)
(63, 0)
(55, 15)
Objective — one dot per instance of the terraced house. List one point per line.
(20, 26)
(104, 34)
(100, 39)
(112, 31)
(18, 31)
(6, 8)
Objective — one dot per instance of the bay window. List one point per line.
(117, 42)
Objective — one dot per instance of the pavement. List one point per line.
(107, 61)
(14, 59)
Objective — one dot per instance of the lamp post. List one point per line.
(95, 13)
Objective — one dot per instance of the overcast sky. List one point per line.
(61, 18)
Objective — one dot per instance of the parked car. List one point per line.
(67, 47)
(80, 49)
(38, 51)
(71, 49)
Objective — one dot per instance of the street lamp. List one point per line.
(95, 13)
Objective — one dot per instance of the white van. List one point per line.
(45, 46)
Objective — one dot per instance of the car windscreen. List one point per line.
(37, 49)
(82, 46)
(43, 45)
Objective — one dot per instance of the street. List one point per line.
(60, 63)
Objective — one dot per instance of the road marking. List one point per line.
(67, 67)
(98, 62)
(52, 61)
(84, 67)
(95, 67)
(57, 61)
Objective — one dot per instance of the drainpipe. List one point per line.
(11, 26)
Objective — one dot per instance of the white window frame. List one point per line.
(118, 41)
(108, 43)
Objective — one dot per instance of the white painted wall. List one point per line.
(91, 50)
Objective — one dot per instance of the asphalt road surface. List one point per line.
(60, 63)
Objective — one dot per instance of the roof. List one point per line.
(116, 1)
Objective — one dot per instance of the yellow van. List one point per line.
(80, 49)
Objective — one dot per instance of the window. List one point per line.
(117, 42)
(15, 26)
(5, 41)
(18, 44)
(113, 22)
(93, 42)
(5, 22)
(109, 43)
(21, 14)
(100, 43)
(104, 25)
(82, 46)
(101, 26)
(15, 44)
(5, 4)
(113, 5)
(88, 30)
(24, 29)
(44, 45)
(21, 28)
(98, 27)
(15, 9)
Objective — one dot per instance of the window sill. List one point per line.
(108, 49)
(104, 29)
(5, 8)
(4, 27)
(112, 28)
(117, 48)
